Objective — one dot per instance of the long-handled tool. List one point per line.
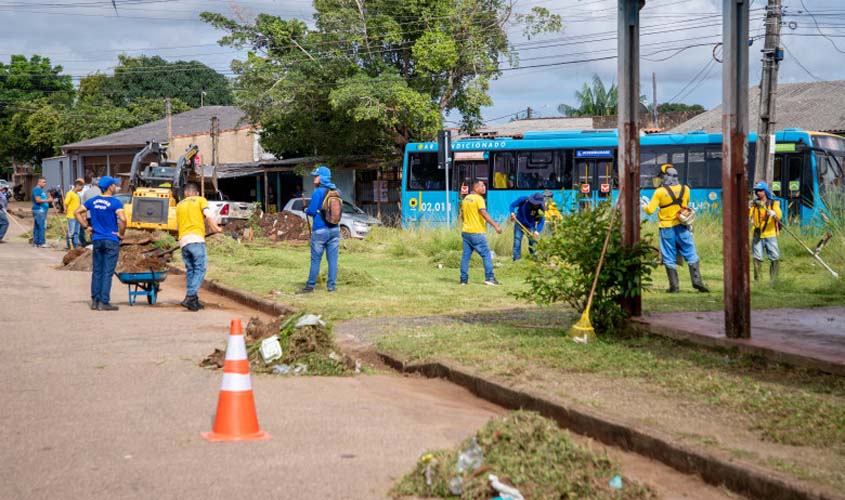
(161, 253)
(525, 229)
(808, 249)
(582, 331)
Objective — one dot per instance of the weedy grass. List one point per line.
(526, 451)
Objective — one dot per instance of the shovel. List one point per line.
(161, 253)
(528, 233)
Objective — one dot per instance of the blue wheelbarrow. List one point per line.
(143, 285)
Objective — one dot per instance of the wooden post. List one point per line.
(629, 141)
(734, 176)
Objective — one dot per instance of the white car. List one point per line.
(355, 223)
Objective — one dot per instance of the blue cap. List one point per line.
(537, 199)
(762, 186)
(106, 181)
(324, 173)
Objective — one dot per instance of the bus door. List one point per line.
(469, 167)
(789, 184)
(594, 177)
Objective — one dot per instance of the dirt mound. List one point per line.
(283, 226)
(130, 260)
(257, 330)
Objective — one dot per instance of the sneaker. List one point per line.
(41, 246)
(331, 289)
(102, 306)
(492, 282)
(304, 290)
(463, 283)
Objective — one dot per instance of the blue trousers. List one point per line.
(105, 260)
(4, 223)
(677, 239)
(195, 258)
(39, 228)
(324, 241)
(476, 242)
(73, 227)
(517, 242)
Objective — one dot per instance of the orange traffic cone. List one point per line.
(236, 419)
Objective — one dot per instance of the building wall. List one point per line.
(343, 179)
(236, 146)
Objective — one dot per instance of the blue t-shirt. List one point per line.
(525, 215)
(38, 192)
(103, 210)
(315, 206)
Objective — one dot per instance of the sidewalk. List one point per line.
(810, 338)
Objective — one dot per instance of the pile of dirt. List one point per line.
(130, 260)
(283, 226)
(308, 347)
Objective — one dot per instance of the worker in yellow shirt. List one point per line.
(474, 233)
(71, 203)
(192, 214)
(765, 217)
(675, 236)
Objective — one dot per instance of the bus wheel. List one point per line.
(345, 233)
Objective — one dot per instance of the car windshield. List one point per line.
(349, 208)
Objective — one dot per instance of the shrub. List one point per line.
(566, 261)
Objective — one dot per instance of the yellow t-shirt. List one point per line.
(190, 219)
(758, 219)
(668, 214)
(71, 203)
(471, 208)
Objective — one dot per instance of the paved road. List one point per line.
(111, 405)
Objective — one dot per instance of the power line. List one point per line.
(820, 30)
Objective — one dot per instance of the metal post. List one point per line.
(629, 140)
(168, 120)
(764, 163)
(734, 177)
(654, 100)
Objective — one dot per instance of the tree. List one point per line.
(369, 77)
(595, 100)
(152, 77)
(27, 85)
(671, 107)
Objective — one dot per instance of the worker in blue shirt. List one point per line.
(40, 204)
(530, 212)
(325, 238)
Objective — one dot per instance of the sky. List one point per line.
(678, 39)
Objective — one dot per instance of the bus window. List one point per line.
(714, 168)
(675, 156)
(467, 172)
(830, 170)
(538, 170)
(649, 169)
(423, 174)
(697, 169)
(504, 171)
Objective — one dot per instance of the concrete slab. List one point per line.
(810, 338)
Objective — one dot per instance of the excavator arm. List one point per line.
(152, 148)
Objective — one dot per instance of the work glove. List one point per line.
(644, 201)
(513, 216)
(536, 234)
(771, 213)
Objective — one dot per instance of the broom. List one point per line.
(582, 331)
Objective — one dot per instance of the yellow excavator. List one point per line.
(158, 187)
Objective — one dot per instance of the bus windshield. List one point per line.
(830, 163)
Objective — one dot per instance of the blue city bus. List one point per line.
(579, 169)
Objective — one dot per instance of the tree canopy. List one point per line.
(672, 107)
(369, 77)
(593, 100)
(151, 77)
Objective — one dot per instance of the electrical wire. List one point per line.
(820, 30)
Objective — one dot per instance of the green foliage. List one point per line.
(368, 74)
(151, 77)
(566, 261)
(528, 451)
(673, 107)
(595, 100)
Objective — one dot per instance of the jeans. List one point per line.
(73, 227)
(478, 243)
(105, 260)
(83, 235)
(39, 229)
(517, 243)
(677, 239)
(328, 241)
(770, 245)
(4, 223)
(195, 258)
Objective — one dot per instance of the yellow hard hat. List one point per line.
(665, 167)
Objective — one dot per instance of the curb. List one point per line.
(739, 477)
(643, 326)
(243, 298)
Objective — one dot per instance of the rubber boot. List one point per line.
(773, 270)
(695, 276)
(674, 284)
(758, 265)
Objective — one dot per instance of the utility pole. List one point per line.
(654, 100)
(772, 55)
(168, 120)
(215, 140)
(737, 296)
(529, 114)
(628, 69)
(202, 99)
